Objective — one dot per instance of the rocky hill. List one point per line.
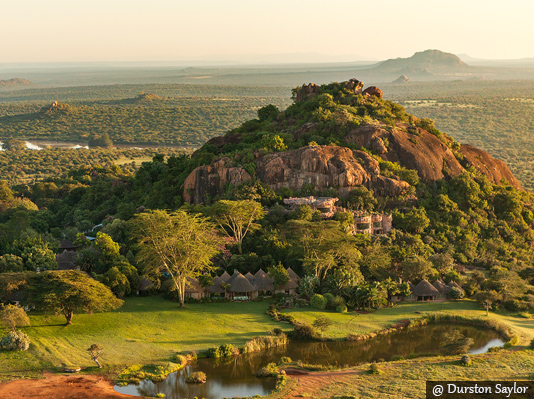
(338, 136)
(15, 82)
(423, 62)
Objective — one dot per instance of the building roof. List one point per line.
(239, 283)
(263, 282)
(424, 288)
(291, 284)
(144, 284)
(441, 287)
(292, 275)
(66, 260)
(250, 277)
(67, 244)
(193, 286)
(454, 284)
(225, 277)
(216, 287)
(260, 272)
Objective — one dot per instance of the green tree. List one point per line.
(13, 316)
(11, 263)
(361, 199)
(67, 292)
(415, 221)
(488, 299)
(370, 296)
(443, 262)
(279, 275)
(237, 218)
(417, 268)
(268, 112)
(95, 351)
(117, 282)
(322, 323)
(5, 192)
(391, 288)
(180, 244)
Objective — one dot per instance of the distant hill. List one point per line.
(15, 82)
(425, 62)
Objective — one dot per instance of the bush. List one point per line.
(395, 358)
(341, 308)
(532, 344)
(329, 300)
(160, 395)
(373, 369)
(466, 360)
(226, 350)
(277, 331)
(198, 377)
(285, 359)
(15, 341)
(303, 331)
(456, 293)
(318, 302)
(214, 352)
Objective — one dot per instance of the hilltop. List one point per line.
(15, 82)
(336, 137)
(424, 62)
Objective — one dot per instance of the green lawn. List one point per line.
(346, 323)
(144, 330)
(152, 329)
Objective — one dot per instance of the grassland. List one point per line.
(144, 330)
(151, 330)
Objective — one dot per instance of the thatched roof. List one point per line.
(193, 286)
(263, 282)
(454, 284)
(260, 272)
(291, 284)
(67, 244)
(225, 277)
(424, 288)
(239, 283)
(441, 287)
(411, 286)
(292, 275)
(66, 260)
(216, 287)
(144, 284)
(17, 296)
(250, 277)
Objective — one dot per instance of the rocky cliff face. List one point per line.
(320, 166)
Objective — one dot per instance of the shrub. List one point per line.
(456, 293)
(277, 331)
(341, 308)
(285, 359)
(180, 359)
(532, 344)
(466, 360)
(303, 331)
(160, 395)
(271, 370)
(214, 352)
(329, 299)
(262, 343)
(198, 377)
(318, 302)
(15, 341)
(373, 369)
(227, 350)
(494, 349)
(395, 358)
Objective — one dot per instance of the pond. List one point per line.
(234, 377)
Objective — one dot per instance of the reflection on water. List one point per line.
(42, 144)
(234, 377)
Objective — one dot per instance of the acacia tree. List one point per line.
(237, 218)
(68, 291)
(487, 299)
(177, 243)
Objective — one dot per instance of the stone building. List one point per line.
(325, 205)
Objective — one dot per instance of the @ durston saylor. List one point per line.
(497, 389)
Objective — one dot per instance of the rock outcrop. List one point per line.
(401, 79)
(374, 91)
(207, 181)
(311, 90)
(494, 169)
(321, 166)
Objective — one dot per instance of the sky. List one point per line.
(333, 30)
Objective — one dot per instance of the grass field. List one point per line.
(144, 330)
(152, 329)
(345, 323)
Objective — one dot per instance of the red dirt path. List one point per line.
(61, 387)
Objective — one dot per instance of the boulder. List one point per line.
(374, 91)
(306, 91)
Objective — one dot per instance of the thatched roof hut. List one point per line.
(291, 285)
(263, 282)
(239, 283)
(144, 284)
(425, 290)
(454, 284)
(260, 272)
(225, 277)
(66, 260)
(292, 275)
(193, 286)
(441, 287)
(216, 287)
(250, 277)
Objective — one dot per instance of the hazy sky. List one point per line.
(157, 30)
